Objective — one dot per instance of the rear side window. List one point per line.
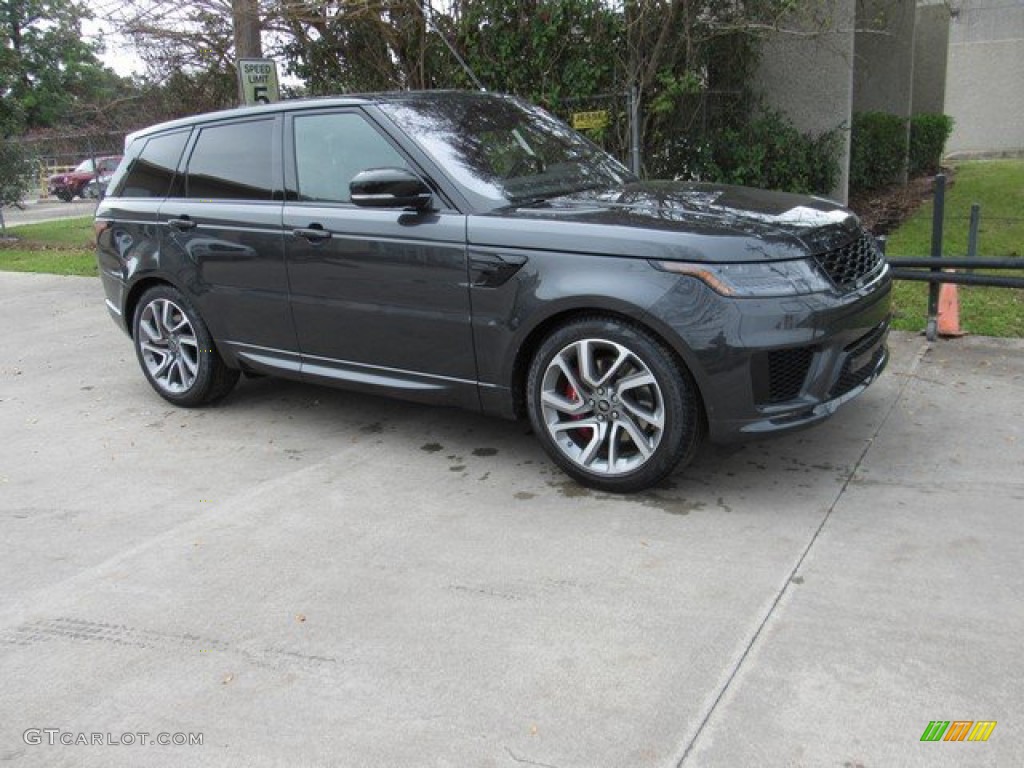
(152, 172)
(233, 161)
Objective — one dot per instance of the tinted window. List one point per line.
(152, 171)
(233, 161)
(331, 149)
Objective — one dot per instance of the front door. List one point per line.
(379, 296)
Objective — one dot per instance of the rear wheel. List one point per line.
(176, 351)
(611, 405)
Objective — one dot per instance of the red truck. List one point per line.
(67, 186)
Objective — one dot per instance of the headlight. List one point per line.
(761, 279)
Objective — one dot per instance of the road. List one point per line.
(308, 577)
(48, 210)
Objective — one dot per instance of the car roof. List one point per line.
(349, 100)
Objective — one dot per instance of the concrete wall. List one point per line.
(985, 77)
(931, 47)
(883, 74)
(810, 78)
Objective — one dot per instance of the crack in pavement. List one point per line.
(691, 742)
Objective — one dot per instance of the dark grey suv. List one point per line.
(468, 249)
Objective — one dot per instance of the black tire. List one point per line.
(66, 195)
(620, 422)
(176, 351)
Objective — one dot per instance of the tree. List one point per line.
(15, 177)
(46, 68)
(188, 49)
(691, 62)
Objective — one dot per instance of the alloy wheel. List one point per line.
(168, 346)
(602, 406)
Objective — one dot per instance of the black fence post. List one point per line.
(938, 214)
(972, 234)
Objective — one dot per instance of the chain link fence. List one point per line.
(60, 153)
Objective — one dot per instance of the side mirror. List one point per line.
(390, 188)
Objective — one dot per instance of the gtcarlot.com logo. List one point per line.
(55, 736)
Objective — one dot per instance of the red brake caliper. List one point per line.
(579, 435)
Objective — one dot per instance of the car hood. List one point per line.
(673, 220)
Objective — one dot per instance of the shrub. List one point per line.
(928, 136)
(878, 149)
(771, 153)
(16, 172)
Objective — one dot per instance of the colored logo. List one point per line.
(958, 730)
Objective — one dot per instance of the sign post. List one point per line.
(257, 80)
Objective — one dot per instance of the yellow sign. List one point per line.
(259, 81)
(589, 120)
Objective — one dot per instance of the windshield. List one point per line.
(83, 167)
(503, 150)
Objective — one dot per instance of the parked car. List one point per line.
(97, 187)
(68, 186)
(468, 249)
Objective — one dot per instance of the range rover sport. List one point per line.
(468, 249)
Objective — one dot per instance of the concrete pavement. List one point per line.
(310, 577)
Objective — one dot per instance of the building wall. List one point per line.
(884, 57)
(810, 78)
(985, 77)
(931, 47)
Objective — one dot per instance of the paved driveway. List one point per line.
(311, 577)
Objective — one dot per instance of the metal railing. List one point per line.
(937, 269)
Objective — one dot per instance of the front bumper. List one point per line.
(777, 365)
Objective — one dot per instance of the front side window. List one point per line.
(152, 172)
(330, 149)
(233, 161)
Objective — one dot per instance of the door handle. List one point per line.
(314, 233)
(181, 224)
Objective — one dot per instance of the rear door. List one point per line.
(222, 232)
(380, 297)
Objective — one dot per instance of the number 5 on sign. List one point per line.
(257, 81)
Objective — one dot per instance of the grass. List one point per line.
(62, 247)
(998, 186)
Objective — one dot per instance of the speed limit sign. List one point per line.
(257, 80)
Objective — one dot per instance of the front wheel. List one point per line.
(176, 351)
(612, 405)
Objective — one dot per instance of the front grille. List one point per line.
(848, 379)
(846, 267)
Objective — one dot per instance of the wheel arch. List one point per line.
(532, 341)
(135, 292)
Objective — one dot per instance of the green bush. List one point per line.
(878, 149)
(771, 153)
(16, 172)
(928, 135)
